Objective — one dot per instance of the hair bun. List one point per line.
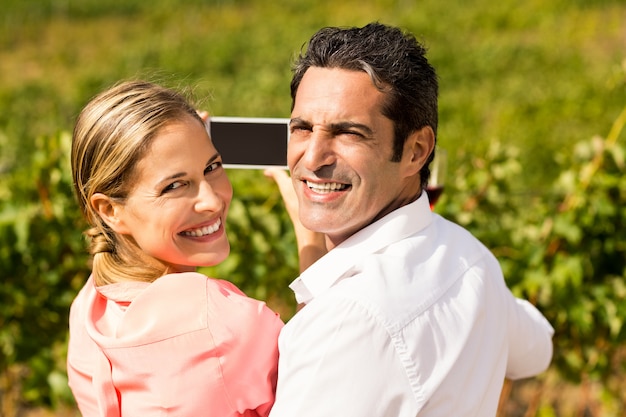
(99, 241)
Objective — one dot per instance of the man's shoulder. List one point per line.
(407, 277)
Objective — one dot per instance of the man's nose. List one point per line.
(319, 151)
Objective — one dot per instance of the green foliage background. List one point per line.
(532, 108)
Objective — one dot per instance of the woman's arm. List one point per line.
(311, 245)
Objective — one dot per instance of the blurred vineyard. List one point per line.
(532, 113)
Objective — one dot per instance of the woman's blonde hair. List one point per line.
(111, 135)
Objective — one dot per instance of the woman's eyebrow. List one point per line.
(183, 173)
(213, 158)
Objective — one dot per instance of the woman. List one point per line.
(149, 335)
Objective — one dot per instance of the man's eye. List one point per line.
(352, 133)
(299, 129)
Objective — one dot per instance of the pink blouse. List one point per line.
(184, 345)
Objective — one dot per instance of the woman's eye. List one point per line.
(212, 167)
(173, 186)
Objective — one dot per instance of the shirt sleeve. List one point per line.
(339, 361)
(530, 340)
(81, 356)
(248, 340)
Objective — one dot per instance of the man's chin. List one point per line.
(317, 222)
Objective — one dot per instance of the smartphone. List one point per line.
(250, 142)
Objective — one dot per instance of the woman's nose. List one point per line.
(208, 199)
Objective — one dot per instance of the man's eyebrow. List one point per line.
(336, 127)
(298, 122)
(341, 126)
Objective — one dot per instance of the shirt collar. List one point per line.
(123, 292)
(395, 226)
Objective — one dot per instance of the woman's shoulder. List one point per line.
(218, 295)
(195, 294)
(194, 281)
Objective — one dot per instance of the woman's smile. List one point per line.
(204, 230)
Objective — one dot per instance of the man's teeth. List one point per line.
(326, 187)
(203, 231)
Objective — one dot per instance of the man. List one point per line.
(407, 314)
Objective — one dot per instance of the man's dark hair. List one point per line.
(397, 64)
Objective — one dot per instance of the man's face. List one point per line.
(340, 152)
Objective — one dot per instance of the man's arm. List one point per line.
(530, 344)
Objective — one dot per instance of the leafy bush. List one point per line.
(42, 259)
(564, 250)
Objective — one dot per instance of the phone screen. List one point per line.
(250, 143)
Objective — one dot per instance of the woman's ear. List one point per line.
(110, 212)
(417, 148)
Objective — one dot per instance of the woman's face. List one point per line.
(176, 210)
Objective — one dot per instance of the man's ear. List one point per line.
(417, 148)
(110, 212)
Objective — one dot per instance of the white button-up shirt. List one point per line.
(410, 316)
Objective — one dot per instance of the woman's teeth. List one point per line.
(203, 231)
(326, 187)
